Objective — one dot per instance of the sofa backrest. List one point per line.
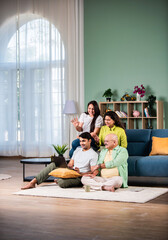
(162, 133)
(139, 141)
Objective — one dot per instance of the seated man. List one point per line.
(112, 164)
(83, 161)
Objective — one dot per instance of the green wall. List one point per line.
(126, 44)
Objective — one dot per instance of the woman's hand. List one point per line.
(96, 138)
(93, 134)
(78, 125)
(75, 122)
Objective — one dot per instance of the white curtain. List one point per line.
(41, 66)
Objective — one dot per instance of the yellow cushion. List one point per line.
(159, 146)
(64, 173)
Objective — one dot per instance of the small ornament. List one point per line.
(136, 113)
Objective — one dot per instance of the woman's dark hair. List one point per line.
(115, 118)
(97, 113)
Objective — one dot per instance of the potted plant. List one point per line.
(60, 150)
(151, 100)
(108, 94)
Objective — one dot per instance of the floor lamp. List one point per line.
(69, 110)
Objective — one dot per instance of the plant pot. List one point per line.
(108, 99)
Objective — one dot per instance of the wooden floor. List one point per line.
(24, 217)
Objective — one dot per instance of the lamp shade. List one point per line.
(70, 107)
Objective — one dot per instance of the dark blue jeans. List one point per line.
(76, 143)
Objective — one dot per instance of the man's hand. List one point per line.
(71, 164)
(96, 167)
(70, 167)
(102, 165)
(77, 170)
(91, 175)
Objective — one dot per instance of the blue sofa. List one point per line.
(140, 164)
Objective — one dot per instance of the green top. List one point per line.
(120, 132)
(119, 156)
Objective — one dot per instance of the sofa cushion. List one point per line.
(138, 142)
(159, 146)
(64, 173)
(162, 133)
(152, 166)
(132, 165)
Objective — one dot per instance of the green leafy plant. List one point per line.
(151, 100)
(60, 149)
(108, 93)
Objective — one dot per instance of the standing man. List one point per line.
(83, 161)
(112, 165)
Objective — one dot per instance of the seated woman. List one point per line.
(114, 125)
(89, 121)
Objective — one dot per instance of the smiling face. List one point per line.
(85, 143)
(109, 122)
(110, 141)
(91, 110)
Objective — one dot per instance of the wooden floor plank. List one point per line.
(26, 217)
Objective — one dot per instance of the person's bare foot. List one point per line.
(108, 188)
(31, 184)
(56, 181)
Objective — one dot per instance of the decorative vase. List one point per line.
(138, 97)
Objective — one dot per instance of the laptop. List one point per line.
(60, 162)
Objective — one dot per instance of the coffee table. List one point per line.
(44, 161)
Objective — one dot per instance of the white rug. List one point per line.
(4, 176)
(131, 194)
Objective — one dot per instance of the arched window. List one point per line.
(39, 41)
(33, 79)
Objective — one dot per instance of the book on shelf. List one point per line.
(118, 113)
(124, 114)
(121, 114)
(146, 112)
